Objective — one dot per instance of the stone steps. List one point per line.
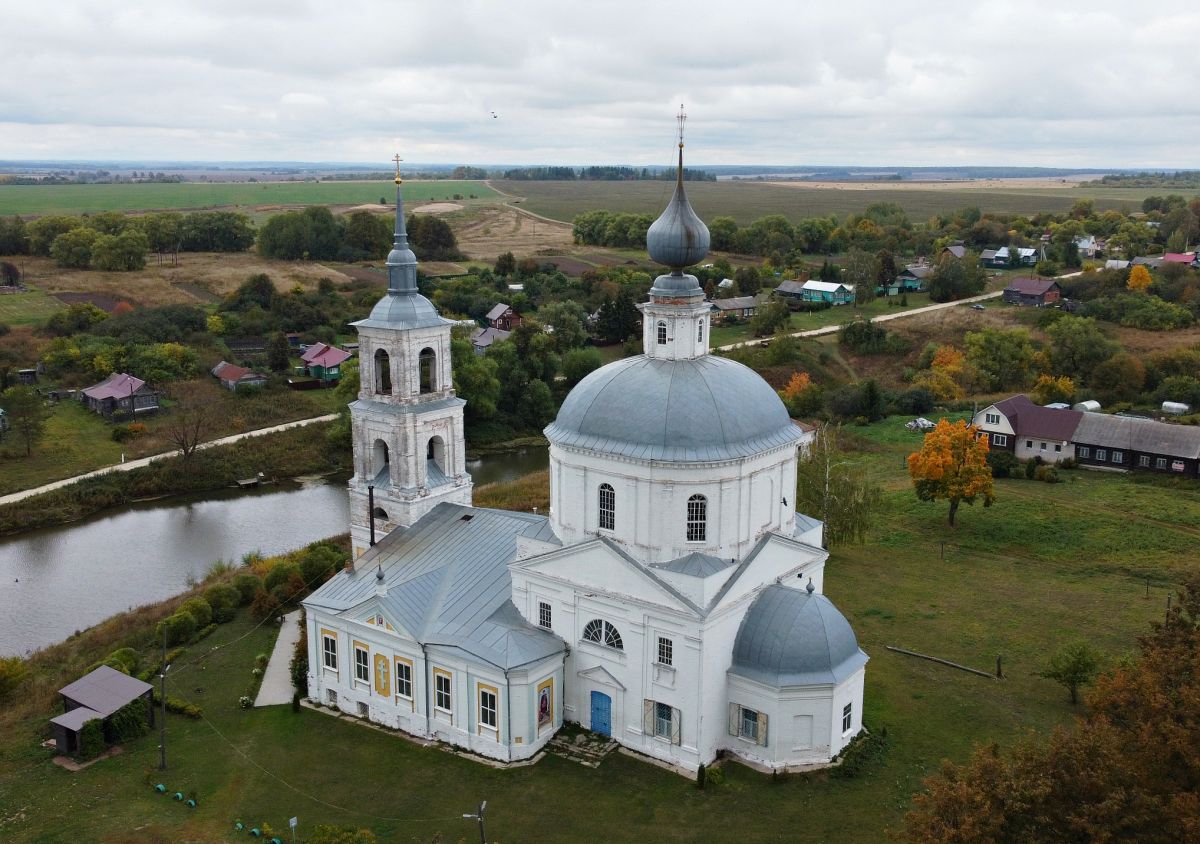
(587, 749)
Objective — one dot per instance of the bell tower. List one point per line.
(407, 423)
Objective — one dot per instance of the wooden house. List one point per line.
(234, 377)
(833, 292)
(1037, 292)
(503, 317)
(738, 307)
(1135, 443)
(120, 393)
(323, 362)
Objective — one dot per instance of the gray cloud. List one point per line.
(1072, 83)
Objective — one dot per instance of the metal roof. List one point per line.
(826, 286)
(322, 354)
(1031, 286)
(790, 637)
(697, 564)
(735, 303)
(1133, 434)
(498, 311)
(116, 386)
(483, 338)
(76, 718)
(701, 409)
(447, 583)
(105, 690)
(1033, 420)
(790, 286)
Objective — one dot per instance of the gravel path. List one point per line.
(276, 685)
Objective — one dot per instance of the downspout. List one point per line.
(508, 714)
(428, 712)
(371, 511)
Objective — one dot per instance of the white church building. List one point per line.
(672, 597)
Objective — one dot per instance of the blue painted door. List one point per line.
(601, 713)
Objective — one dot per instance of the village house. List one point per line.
(739, 307)
(1029, 430)
(914, 278)
(833, 292)
(483, 338)
(324, 362)
(503, 317)
(1002, 257)
(120, 393)
(234, 377)
(1188, 259)
(1150, 262)
(791, 291)
(955, 250)
(1036, 292)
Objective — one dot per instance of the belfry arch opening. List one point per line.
(380, 462)
(435, 453)
(383, 372)
(427, 370)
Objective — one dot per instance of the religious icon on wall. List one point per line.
(545, 703)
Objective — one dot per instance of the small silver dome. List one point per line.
(394, 310)
(791, 637)
(705, 408)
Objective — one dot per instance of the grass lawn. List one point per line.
(79, 199)
(1048, 564)
(31, 307)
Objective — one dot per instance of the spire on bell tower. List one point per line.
(401, 262)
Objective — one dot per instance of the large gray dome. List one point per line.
(791, 637)
(706, 408)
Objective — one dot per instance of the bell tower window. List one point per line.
(700, 331)
(608, 507)
(383, 373)
(662, 333)
(380, 462)
(426, 363)
(697, 518)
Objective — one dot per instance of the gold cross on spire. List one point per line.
(396, 158)
(682, 118)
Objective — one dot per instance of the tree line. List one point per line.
(604, 173)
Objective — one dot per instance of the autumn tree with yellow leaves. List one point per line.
(1139, 279)
(952, 466)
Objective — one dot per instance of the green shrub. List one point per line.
(206, 631)
(129, 722)
(91, 739)
(127, 657)
(247, 586)
(12, 674)
(866, 748)
(1002, 463)
(223, 595)
(1047, 474)
(1031, 467)
(318, 562)
(265, 604)
(279, 574)
(299, 664)
(225, 614)
(178, 628)
(199, 609)
(179, 706)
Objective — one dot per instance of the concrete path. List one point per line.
(276, 685)
(146, 461)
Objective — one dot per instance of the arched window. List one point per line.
(427, 362)
(380, 513)
(603, 633)
(662, 334)
(383, 372)
(700, 331)
(608, 507)
(380, 462)
(697, 518)
(436, 452)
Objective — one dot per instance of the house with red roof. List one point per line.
(324, 362)
(1037, 292)
(1028, 430)
(1188, 258)
(120, 393)
(233, 377)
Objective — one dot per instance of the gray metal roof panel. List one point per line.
(1135, 434)
(105, 690)
(696, 564)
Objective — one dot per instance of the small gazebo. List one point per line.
(97, 694)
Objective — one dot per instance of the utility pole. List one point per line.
(162, 727)
(478, 816)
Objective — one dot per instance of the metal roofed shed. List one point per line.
(96, 695)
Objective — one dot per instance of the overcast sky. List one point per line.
(1077, 84)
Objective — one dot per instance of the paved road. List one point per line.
(276, 685)
(145, 461)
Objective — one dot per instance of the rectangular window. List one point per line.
(1101, 454)
(1160, 463)
(999, 439)
(442, 686)
(749, 724)
(362, 663)
(364, 711)
(1144, 460)
(331, 697)
(661, 720)
(1042, 447)
(1029, 443)
(487, 707)
(404, 678)
(1083, 451)
(1118, 457)
(992, 418)
(1058, 448)
(544, 615)
(608, 507)
(666, 651)
(329, 650)
(847, 720)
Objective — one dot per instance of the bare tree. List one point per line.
(191, 419)
(836, 491)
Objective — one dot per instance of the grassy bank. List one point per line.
(286, 454)
(1047, 565)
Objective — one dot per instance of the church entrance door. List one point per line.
(601, 714)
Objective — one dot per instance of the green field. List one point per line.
(747, 201)
(30, 307)
(80, 199)
(1048, 564)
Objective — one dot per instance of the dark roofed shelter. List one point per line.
(97, 694)
(1032, 291)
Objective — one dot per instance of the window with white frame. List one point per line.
(1118, 457)
(1144, 460)
(747, 723)
(666, 651)
(329, 651)
(847, 717)
(608, 507)
(1083, 451)
(362, 664)
(1160, 463)
(487, 707)
(603, 633)
(999, 439)
(544, 615)
(443, 699)
(404, 679)
(662, 333)
(1043, 447)
(991, 418)
(661, 720)
(1101, 454)
(697, 518)
(1058, 447)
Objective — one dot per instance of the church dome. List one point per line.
(791, 637)
(678, 238)
(701, 409)
(402, 311)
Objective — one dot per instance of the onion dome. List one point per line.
(678, 238)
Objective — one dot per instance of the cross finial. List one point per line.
(396, 158)
(682, 118)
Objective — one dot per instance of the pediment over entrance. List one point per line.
(599, 674)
